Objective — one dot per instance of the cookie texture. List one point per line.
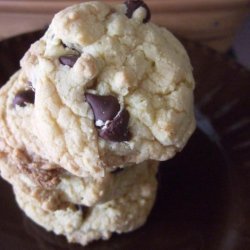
(101, 98)
(144, 67)
(54, 188)
(46, 181)
(82, 224)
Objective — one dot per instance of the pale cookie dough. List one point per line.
(54, 188)
(120, 215)
(95, 48)
(44, 180)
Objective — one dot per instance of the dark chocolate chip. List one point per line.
(133, 5)
(117, 129)
(82, 208)
(105, 108)
(24, 97)
(116, 171)
(68, 60)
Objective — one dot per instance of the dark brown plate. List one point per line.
(203, 200)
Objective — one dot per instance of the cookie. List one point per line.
(53, 188)
(39, 177)
(82, 225)
(35, 175)
(104, 87)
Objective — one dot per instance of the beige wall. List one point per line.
(212, 22)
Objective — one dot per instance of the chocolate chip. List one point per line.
(105, 108)
(117, 129)
(116, 171)
(24, 97)
(82, 208)
(133, 5)
(68, 60)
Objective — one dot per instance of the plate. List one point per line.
(203, 199)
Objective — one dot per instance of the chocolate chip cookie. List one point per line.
(101, 97)
(44, 180)
(111, 88)
(84, 224)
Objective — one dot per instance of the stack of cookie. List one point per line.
(99, 100)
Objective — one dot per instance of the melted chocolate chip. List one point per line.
(105, 108)
(117, 129)
(133, 5)
(24, 97)
(68, 60)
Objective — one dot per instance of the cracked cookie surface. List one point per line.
(82, 225)
(55, 187)
(44, 180)
(94, 48)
